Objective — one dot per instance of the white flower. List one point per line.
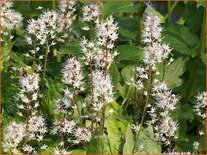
(66, 6)
(28, 148)
(196, 145)
(201, 133)
(90, 50)
(37, 127)
(154, 51)
(90, 12)
(103, 90)
(63, 126)
(29, 83)
(10, 19)
(66, 17)
(200, 105)
(136, 128)
(60, 151)
(165, 102)
(72, 74)
(152, 28)
(44, 147)
(107, 32)
(13, 135)
(168, 127)
(62, 105)
(82, 134)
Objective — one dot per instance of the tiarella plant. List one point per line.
(102, 78)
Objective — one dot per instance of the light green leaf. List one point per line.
(129, 141)
(116, 127)
(173, 72)
(127, 73)
(78, 151)
(114, 72)
(146, 138)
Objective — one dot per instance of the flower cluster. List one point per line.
(82, 135)
(63, 126)
(200, 105)
(90, 51)
(28, 94)
(35, 130)
(64, 104)
(165, 102)
(37, 127)
(90, 13)
(45, 27)
(51, 27)
(154, 51)
(106, 37)
(72, 74)
(103, 90)
(13, 135)
(66, 18)
(10, 19)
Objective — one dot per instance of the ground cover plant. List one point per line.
(103, 77)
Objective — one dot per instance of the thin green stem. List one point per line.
(163, 74)
(46, 55)
(78, 109)
(92, 93)
(170, 10)
(34, 56)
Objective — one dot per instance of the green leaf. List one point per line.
(6, 49)
(114, 72)
(116, 127)
(173, 72)
(129, 141)
(129, 53)
(180, 39)
(110, 8)
(78, 151)
(186, 113)
(127, 31)
(49, 150)
(127, 73)
(71, 48)
(146, 138)
(95, 143)
(193, 15)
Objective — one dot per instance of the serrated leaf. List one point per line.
(180, 39)
(129, 53)
(71, 48)
(114, 72)
(173, 72)
(120, 7)
(127, 31)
